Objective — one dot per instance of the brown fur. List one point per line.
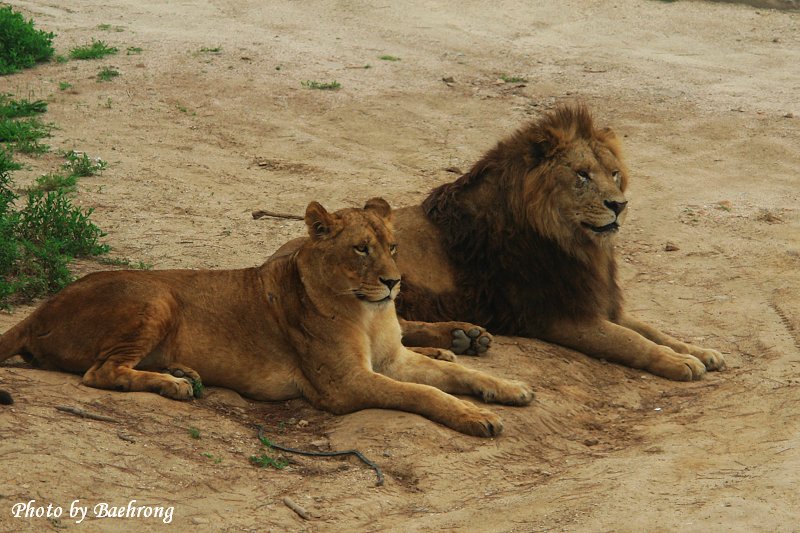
(318, 322)
(519, 239)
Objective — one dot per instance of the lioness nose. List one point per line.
(389, 282)
(617, 207)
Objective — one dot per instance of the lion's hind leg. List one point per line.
(453, 378)
(458, 337)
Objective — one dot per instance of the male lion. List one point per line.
(319, 323)
(523, 245)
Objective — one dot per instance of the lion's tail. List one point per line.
(12, 343)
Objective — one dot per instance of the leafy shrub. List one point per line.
(21, 46)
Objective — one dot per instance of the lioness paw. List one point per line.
(712, 359)
(508, 392)
(483, 423)
(470, 340)
(177, 388)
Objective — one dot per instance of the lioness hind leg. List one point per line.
(456, 379)
(458, 337)
(115, 374)
(712, 359)
(182, 371)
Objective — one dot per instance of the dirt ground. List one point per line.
(706, 97)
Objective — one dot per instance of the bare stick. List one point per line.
(296, 508)
(261, 213)
(80, 412)
(265, 441)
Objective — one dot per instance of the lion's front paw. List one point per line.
(481, 423)
(470, 340)
(676, 366)
(712, 359)
(508, 392)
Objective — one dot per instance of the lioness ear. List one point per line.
(380, 207)
(606, 135)
(318, 221)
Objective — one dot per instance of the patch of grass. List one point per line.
(24, 134)
(389, 58)
(64, 85)
(194, 432)
(107, 74)
(125, 262)
(217, 460)
(95, 50)
(109, 27)
(214, 50)
(265, 460)
(81, 165)
(21, 45)
(20, 108)
(134, 50)
(61, 59)
(198, 389)
(513, 79)
(322, 86)
(53, 182)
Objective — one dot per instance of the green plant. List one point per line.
(64, 85)
(81, 165)
(214, 50)
(194, 432)
(265, 460)
(20, 108)
(513, 79)
(53, 181)
(95, 50)
(329, 86)
(107, 74)
(61, 59)
(124, 262)
(389, 58)
(217, 460)
(133, 50)
(24, 133)
(21, 46)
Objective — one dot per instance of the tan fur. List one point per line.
(523, 244)
(319, 323)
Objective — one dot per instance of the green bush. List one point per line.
(21, 46)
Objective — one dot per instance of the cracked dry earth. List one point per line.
(705, 97)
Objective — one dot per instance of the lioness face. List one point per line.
(358, 248)
(585, 192)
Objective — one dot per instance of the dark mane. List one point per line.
(517, 281)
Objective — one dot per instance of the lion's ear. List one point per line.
(606, 135)
(318, 221)
(380, 207)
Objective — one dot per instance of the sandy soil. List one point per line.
(705, 95)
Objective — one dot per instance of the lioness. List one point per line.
(319, 323)
(523, 244)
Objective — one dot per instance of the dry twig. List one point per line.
(80, 412)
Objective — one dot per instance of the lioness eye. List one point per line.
(616, 175)
(393, 249)
(361, 249)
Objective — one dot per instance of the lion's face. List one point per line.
(356, 248)
(579, 195)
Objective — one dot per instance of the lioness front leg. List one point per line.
(458, 337)
(412, 367)
(606, 340)
(115, 373)
(365, 390)
(712, 359)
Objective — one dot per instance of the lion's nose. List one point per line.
(617, 207)
(389, 282)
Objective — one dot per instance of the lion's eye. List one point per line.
(361, 249)
(393, 249)
(617, 176)
(583, 175)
